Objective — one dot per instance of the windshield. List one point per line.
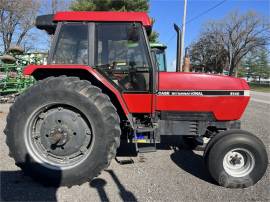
(121, 45)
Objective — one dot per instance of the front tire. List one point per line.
(63, 131)
(236, 159)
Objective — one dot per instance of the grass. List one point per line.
(260, 87)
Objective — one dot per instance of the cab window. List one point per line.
(161, 60)
(72, 44)
(121, 53)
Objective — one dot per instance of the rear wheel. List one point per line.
(236, 159)
(63, 131)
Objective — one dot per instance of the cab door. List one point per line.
(122, 56)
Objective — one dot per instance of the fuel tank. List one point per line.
(224, 96)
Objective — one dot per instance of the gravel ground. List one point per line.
(164, 175)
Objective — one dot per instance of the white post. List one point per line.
(183, 35)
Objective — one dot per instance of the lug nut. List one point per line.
(36, 137)
(83, 150)
(42, 116)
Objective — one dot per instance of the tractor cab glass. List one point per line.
(161, 60)
(158, 52)
(122, 54)
(72, 44)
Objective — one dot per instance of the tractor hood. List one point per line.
(222, 96)
(180, 81)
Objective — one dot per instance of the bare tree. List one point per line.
(239, 34)
(56, 5)
(208, 54)
(16, 19)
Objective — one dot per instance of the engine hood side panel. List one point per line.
(196, 81)
(226, 97)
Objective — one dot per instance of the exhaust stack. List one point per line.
(178, 48)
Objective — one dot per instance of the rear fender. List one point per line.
(49, 70)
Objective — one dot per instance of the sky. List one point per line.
(167, 12)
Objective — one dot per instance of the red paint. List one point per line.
(196, 81)
(223, 107)
(138, 103)
(29, 70)
(99, 16)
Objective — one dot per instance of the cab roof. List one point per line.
(158, 45)
(100, 16)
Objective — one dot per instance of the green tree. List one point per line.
(105, 5)
(256, 65)
(154, 37)
(114, 5)
(247, 64)
(261, 69)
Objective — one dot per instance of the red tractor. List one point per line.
(102, 85)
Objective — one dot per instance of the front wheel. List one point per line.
(236, 159)
(63, 131)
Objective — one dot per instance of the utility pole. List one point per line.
(54, 6)
(183, 35)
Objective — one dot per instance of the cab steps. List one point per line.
(144, 139)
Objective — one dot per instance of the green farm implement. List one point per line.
(12, 80)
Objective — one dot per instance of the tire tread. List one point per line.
(84, 88)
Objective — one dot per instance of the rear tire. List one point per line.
(40, 154)
(236, 159)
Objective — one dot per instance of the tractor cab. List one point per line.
(118, 48)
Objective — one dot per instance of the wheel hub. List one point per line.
(236, 159)
(60, 135)
(238, 162)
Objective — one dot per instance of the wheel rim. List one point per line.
(58, 136)
(238, 162)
